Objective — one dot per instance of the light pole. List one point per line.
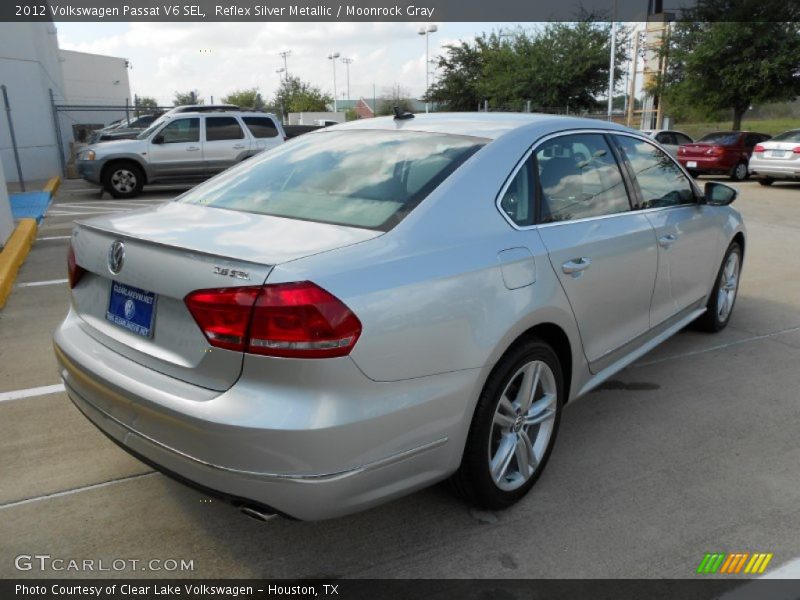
(332, 57)
(426, 31)
(285, 54)
(611, 63)
(348, 62)
(283, 110)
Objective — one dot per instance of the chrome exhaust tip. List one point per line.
(257, 514)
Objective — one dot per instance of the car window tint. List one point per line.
(660, 180)
(517, 197)
(579, 178)
(361, 178)
(665, 137)
(223, 128)
(261, 127)
(683, 139)
(721, 138)
(182, 130)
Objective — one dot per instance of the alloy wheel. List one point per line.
(123, 181)
(522, 425)
(728, 285)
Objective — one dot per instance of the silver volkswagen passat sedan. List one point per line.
(381, 305)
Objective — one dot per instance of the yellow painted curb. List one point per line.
(52, 185)
(13, 255)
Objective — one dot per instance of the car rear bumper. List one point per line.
(705, 164)
(775, 168)
(325, 454)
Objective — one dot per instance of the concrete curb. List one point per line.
(13, 255)
(51, 187)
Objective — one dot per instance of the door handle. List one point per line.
(665, 241)
(576, 265)
(238, 146)
(192, 148)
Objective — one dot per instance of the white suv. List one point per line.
(179, 147)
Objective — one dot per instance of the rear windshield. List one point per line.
(723, 138)
(359, 178)
(787, 136)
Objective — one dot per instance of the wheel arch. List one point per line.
(558, 339)
(739, 239)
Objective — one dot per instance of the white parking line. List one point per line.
(28, 393)
(39, 283)
(85, 488)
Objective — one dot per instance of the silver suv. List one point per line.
(179, 147)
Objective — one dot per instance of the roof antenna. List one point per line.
(400, 115)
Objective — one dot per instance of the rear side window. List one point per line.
(261, 127)
(788, 136)
(223, 128)
(579, 178)
(360, 178)
(516, 200)
(665, 137)
(682, 139)
(660, 180)
(181, 130)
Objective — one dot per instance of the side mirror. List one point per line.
(719, 194)
(159, 139)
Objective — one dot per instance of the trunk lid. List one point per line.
(173, 250)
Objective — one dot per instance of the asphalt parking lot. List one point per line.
(692, 449)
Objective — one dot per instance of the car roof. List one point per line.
(221, 113)
(478, 124)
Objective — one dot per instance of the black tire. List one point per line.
(473, 480)
(766, 181)
(123, 179)
(693, 173)
(739, 172)
(711, 320)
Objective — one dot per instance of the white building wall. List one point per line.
(29, 66)
(95, 79)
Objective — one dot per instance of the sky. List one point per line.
(218, 58)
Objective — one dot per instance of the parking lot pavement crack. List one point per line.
(71, 491)
(717, 347)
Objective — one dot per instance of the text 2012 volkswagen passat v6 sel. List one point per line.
(388, 303)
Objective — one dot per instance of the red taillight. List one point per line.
(224, 314)
(681, 150)
(796, 150)
(302, 320)
(759, 148)
(295, 320)
(74, 270)
(716, 150)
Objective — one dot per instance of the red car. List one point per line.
(720, 152)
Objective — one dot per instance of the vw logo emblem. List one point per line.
(130, 309)
(116, 257)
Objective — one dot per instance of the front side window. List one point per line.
(181, 130)
(660, 180)
(360, 178)
(223, 128)
(579, 178)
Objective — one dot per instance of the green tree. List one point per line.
(562, 65)
(395, 96)
(190, 97)
(145, 105)
(714, 66)
(295, 95)
(351, 115)
(250, 98)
